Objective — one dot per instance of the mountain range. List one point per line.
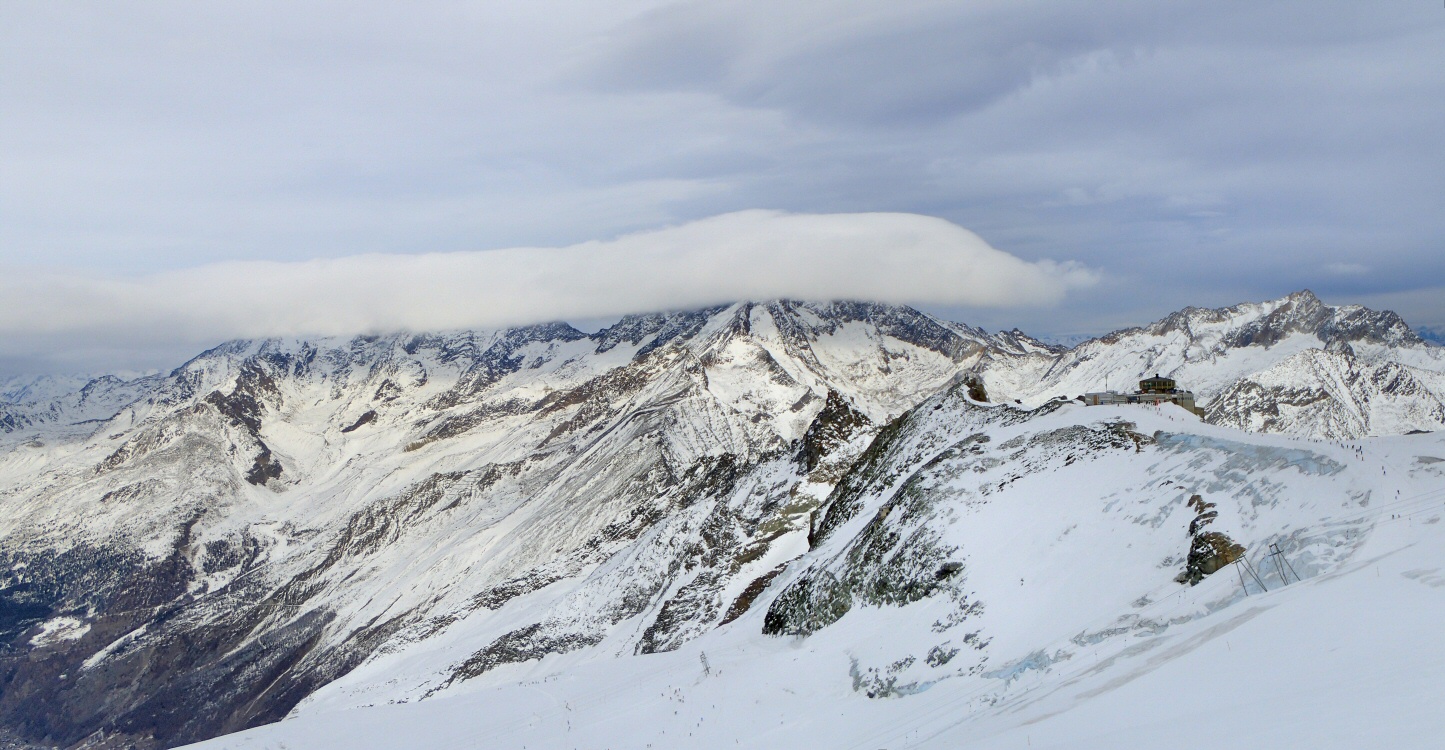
(309, 526)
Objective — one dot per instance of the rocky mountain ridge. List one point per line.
(288, 518)
(1208, 350)
(1259, 366)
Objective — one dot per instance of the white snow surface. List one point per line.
(1083, 639)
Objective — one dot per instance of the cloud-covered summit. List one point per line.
(903, 258)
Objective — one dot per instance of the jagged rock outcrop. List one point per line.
(1208, 550)
(837, 423)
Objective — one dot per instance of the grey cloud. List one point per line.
(841, 62)
(912, 61)
(1193, 152)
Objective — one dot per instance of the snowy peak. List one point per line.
(1217, 351)
(1304, 313)
(1333, 394)
(656, 328)
(1020, 343)
(806, 345)
(1265, 324)
(68, 406)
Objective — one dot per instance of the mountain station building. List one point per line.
(1155, 390)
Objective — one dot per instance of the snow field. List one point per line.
(1096, 648)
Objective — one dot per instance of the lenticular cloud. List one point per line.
(890, 257)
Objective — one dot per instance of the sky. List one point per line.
(173, 174)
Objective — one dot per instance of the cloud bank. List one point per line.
(1195, 153)
(893, 257)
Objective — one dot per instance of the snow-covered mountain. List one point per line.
(346, 522)
(1293, 365)
(22, 389)
(274, 513)
(65, 407)
(1334, 394)
(992, 577)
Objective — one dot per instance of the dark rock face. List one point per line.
(900, 486)
(524, 644)
(976, 391)
(1208, 550)
(1208, 553)
(837, 423)
(264, 468)
(664, 327)
(893, 561)
(177, 668)
(846, 500)
(11, 420)
(71, 583)
(745, 600)
(361, 421)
